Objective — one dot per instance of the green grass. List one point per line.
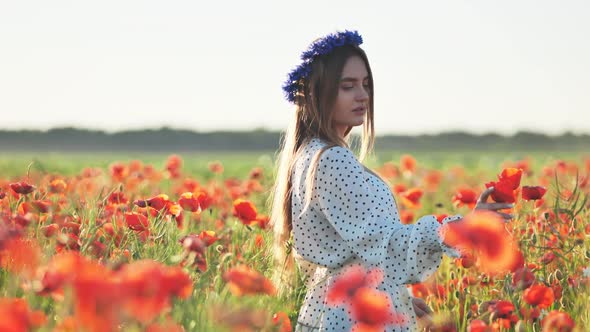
(237, 163)
(211, 303)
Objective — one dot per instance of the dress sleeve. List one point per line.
(406, 253)
(423, 246)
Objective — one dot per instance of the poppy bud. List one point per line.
(140, 203)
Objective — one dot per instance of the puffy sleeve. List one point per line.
(406, 253)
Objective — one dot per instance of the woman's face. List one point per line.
(352, 101)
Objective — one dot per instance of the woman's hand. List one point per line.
(423, 313)
(482, 204)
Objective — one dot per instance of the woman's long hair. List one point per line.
(312, 119)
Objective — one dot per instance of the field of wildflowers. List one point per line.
(157, 246)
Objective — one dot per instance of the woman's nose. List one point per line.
(363, 94)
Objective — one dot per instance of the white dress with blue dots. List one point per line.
(352, 219)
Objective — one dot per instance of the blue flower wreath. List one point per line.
(322, 46)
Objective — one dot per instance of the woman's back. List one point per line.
(342, 192)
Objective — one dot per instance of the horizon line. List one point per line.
(271, 130)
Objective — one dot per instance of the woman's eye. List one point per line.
(347, 87)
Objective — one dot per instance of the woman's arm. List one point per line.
(406, 253)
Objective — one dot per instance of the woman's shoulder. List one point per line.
(314, 143)
(327, 150)
(325, 154)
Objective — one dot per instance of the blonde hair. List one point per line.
(312, 119)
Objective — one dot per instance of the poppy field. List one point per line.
(176, 243)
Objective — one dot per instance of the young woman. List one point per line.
(335, 212)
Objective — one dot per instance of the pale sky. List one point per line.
(476, 66)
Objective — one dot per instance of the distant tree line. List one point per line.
(167, 139)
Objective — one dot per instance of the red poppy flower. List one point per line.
(343, 288)
(216, 167)
(522, 278)
(189, 202)
(420, 290)
(173, 166)
(136, 221)
(117, 198)
(21, 256)
(388, 170)
(478, 325)
(508, 182)
(441, 217)
(252, 186)
(261, 221)
(23, 219)
(466, 260)
(530, 314)
(22, 187)
(245, 211)
(432, 180)
(57, 186)
(244, 280)
(411, 198)
(465, 196)
(503, 192)
(49, 230)
(256, 173)
(511, 176)
(407, 164)
(119, 172)
(148, 287)
(373, 308)
(531, 193)
(205, 200)
(406, 217)
(399, 188)
(282, 322)
(158, 202)
(502, 308)
(259, 241)
(208, 236)
(41, 206)
(97, 300)
(539, 295)
(61, 270)
(191, 185)
(26, 208)
(548, 257)
(558, 321)
(484, 233)
(17, 316)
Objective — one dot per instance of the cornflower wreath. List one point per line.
(321, 46)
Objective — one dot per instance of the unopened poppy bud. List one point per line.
(140, 202)
(193, 243)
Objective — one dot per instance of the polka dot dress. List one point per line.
(352, 219)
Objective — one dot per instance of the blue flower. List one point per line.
(322, 46)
